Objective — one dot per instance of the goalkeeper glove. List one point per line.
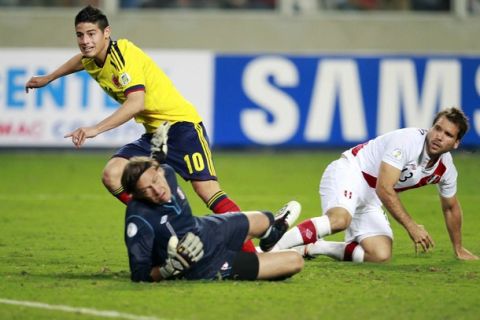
(181, 255)
(190, 248)
(158, 143)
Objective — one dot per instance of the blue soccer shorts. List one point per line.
(223, 236)
(188, 151)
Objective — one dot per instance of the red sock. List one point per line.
(308, 231)
(248, 246)
(347, 256)
(121, 195)
(221, 203)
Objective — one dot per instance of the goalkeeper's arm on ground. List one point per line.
(139, 238)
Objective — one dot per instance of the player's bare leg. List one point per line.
(339, 219)
(111, 178)
(377, 248)
(206, 189)
(269, 228)
(259, 222)
(280, 264)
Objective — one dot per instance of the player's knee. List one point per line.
(259, 222)
(297, 262)
(383, 257)
(293, 263)
(111, 176)
(339, 219)
(380, 255)
(107, 178)
(377, 249)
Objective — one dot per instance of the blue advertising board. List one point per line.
(337, 100)
(245, 100)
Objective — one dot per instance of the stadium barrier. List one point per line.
(246, 100)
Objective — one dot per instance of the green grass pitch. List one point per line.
(61, 243)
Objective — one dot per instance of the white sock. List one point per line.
(358, 254)
(335, 250)
(331, 249)
(353, 252)
(322, 225)
(290, 239)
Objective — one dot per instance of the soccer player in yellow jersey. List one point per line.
(146, 94)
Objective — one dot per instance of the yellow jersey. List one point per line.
(128, 69)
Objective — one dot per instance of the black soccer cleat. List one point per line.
(284, 219)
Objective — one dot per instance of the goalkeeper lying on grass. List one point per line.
(165, 241)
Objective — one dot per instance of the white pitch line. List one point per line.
(93, 312)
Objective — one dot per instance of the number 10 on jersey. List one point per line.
(194, 162)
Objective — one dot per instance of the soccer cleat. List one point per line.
(284, 219)
(159, 143)
(304, 251)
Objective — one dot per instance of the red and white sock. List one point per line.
(306, 232)
(353, 252)
(337, 250)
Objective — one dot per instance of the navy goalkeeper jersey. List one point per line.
(149, 226)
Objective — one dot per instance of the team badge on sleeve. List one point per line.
(124, 79)
(397, 154)
(131, 229)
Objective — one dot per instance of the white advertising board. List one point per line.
(42, 117)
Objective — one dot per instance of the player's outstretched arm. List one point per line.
(72, 65)
(133, 105)
(452, 213)
(387, 178)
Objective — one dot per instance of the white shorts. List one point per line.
(367, 224)
(343, 185)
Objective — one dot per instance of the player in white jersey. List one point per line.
(354, 188)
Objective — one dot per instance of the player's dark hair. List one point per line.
(134, 169)
(92, 15)
(457, 117)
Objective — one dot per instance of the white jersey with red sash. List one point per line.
(404, 149)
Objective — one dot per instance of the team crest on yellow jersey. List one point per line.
(124, 79)
(121, 81)
(115, 81)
